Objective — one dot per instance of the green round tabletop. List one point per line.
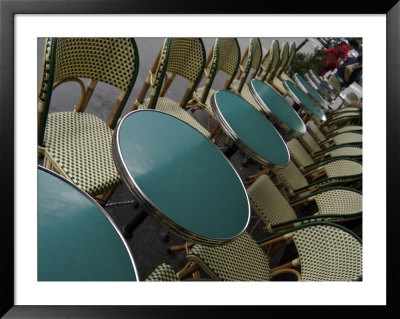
(319, 87)
(180, 177)
(304, 100)
(276, 106)
(77, 241)
(307, 88)
(249, 129)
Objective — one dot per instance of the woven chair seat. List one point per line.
(80, 145)
(246, 94)
(163, 272)
(299, 154)
(328, 253)
(278, 84)
(169, 106)
(239, 260)
(315, 131)
(285, 77)
(235, 85)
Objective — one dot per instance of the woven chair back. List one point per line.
(328, 252)
(114, 61)
(283, 59)
(292, 53)
(271, 63)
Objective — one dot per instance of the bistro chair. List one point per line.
(75, 143)
(331, 172)
(341, 119)
(340, 139)
(178, 56)
(249, 65)
(292, 52)
(324, 252)
(321, 90)
(305, 162)
(163, 272)
(269, 63)
(335, 204)
(283, 59)
(319, 136)
(254, 64)
(225, 57)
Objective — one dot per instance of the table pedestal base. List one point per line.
(127, 230)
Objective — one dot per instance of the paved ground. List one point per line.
(147, 248)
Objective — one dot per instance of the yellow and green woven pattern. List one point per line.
(257, 53)
(339, 201)
(347, 138)
(169, 106)
(80, 144)
(284, 56)
(342, 167)
(270, 62)
(278, 84)
(291, 177)
(315, 131)
(309, 143)
(298, 153)
(186, 57)
(351, 151)
(109, 60)
(328, 253)
(163, 272)
(268, 202)
(348, 128)
(239, 260)
(229, 55)
(246, 94)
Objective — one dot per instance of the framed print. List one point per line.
(25, 25)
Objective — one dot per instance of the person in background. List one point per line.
(337, 54)
(354, 72)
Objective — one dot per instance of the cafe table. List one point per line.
(180, 178)
(249, 129)
(277, 108)
(317, 86)
(304, 101)
(307, 88)
(77, 240)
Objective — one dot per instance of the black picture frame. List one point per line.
(8, 10)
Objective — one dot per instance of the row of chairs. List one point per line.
(332, 151)
(77, 142)
(86, 159)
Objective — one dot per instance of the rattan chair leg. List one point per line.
(188, 270)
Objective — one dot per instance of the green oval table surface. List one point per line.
(249, 129)
(77, 241)
(181, 177)
(320, 88)
(277, 107)
(307, 88)
(304, 100)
